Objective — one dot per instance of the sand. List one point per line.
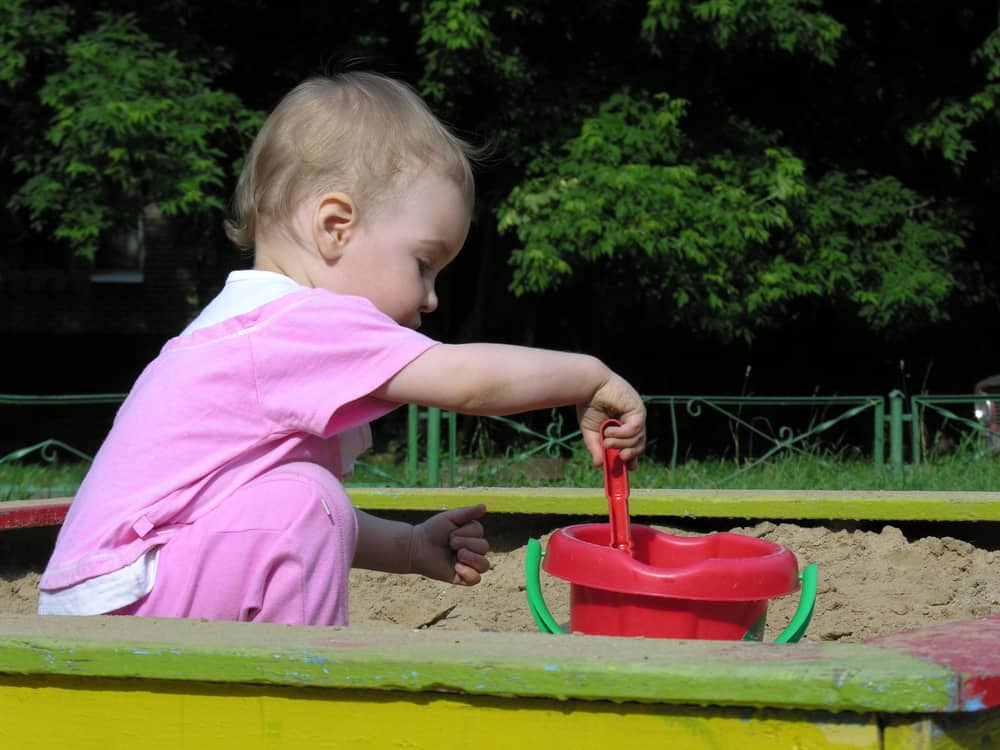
(872, 581)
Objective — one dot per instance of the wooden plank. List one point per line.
(969, 648)
(23, 514)
(829, 677)
(770, 504)
(946, 732)
(100, 714)
(749, 504)
(103, 682)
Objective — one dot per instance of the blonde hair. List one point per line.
(355, 132)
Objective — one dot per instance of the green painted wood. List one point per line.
(770, 504)
(831, 677)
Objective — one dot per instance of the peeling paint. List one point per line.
(973, 703)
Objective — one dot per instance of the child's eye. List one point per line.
(424, 266)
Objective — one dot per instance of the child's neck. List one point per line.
(269, 256)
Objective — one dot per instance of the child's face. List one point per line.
(394, 257)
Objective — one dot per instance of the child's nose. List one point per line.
(430, 302)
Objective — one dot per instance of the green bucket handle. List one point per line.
(547, 624)
(796, 628)
(533, 585)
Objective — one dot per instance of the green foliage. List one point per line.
(27, 31)
(881, 246)
(794, 26)
(132, 124)
(747, 210)
(948, 130)
(724, 241)
(456, 36)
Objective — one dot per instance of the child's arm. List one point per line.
(496, 379)
(448, 546)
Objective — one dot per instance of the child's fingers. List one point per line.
(465, 575)
(469, 567)
(477, 544)
(472, 559)
(595, 445)
(629, 437)
(632, 427)
(631, 450)
(622, 443)
(473, 529)
(459, 517)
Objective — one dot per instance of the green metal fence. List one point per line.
(887, 416)
(49, 449)
(435, 432)
(936, 428)
(785, 439)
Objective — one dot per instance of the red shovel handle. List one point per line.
(616, 490)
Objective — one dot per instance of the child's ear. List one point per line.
(334, 224)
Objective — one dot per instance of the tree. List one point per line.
(949, 129)
(26, 33)
(726, 164)
(724, 241)
(130, 124)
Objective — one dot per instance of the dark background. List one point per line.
(899, 61)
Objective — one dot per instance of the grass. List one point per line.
(25, 481)
(960, 472)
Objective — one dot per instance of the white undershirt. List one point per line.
(244, 291)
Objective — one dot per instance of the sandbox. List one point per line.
(902, 650)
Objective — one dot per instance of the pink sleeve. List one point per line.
(318, 359)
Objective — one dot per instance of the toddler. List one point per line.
(217, 493)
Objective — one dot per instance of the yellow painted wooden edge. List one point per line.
(693, 504)
(673, 504)
(947, 732)
(101, 713)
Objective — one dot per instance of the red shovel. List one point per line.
(616, 490)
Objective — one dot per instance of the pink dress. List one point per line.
(225, 461)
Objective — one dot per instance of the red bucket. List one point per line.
(715, 586)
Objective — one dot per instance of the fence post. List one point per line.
(452, 446)
(879, 447)
(896, 432)
(434, 446)
(673, 435)
(412, 443)
(914, 432)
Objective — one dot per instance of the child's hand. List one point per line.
(450, 546)
(615, 399)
